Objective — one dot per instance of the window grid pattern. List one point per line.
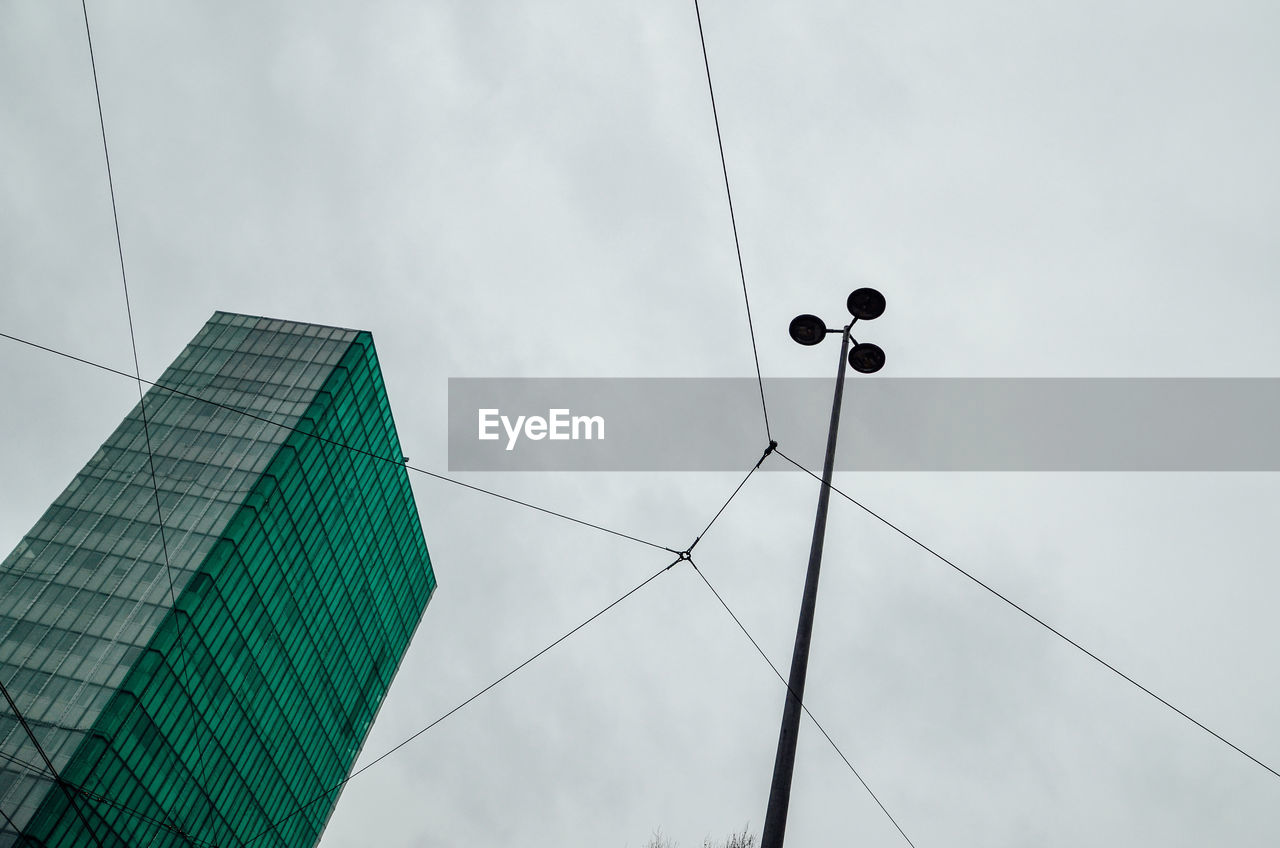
(302, 574)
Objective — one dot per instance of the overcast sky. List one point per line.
(517, 189)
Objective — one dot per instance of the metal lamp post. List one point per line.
(864, 304)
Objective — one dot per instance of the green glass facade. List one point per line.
(207, 701)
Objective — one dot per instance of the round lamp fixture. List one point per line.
(867, 358)
(866, 304)
(807, 329)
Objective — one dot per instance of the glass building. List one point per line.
(208, 678)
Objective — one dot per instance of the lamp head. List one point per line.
(807, 329)
(865, 304)
(866, 358)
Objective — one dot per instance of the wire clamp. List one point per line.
(773, 445)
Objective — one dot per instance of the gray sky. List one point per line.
(533, 189)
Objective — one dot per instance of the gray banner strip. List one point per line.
(887, 424)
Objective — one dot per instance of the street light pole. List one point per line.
(775, 820)
(866, 358)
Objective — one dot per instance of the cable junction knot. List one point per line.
(773, 445)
